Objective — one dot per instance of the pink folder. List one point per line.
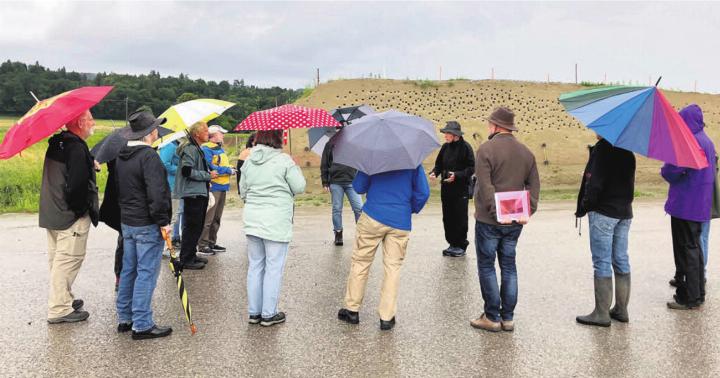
(511, 206)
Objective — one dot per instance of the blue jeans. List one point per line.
(491, 240)
(141, 265)
(609, 244)
(704, 236)
(177, 224)
(266, 262)
(337, 192)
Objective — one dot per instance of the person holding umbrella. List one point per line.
(269, 182)
(455, 165)
(337, 179)
(606, 195)
(145, 209)
(502, 164)
(689, 204)
(68, 205)
(192, 185)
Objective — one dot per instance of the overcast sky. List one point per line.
(282, 43)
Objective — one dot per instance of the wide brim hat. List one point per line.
(452, 127)
(503, 117)
(142, 123)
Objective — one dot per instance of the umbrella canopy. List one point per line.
(47, 116)
(638, 119)
(183, 115)
(318, 138)
(384, 142)
(108, 148)
(287, 117)
(346, 115)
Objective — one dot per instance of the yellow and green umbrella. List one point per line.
(183, 115)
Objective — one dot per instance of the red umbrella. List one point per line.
(287, 117)
(47, 116)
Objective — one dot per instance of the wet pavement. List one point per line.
(438, 296)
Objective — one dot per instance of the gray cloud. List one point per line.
(273, 43)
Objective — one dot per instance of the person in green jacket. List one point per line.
(269, 181)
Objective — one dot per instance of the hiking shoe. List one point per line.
(201, 259)
(507, 325)
(254, 319)
(195, 265)
(124, 327)
(277, 319)
(386, 325)
(454, 252)
(152, 333)
(348, 316)
(77, 304)
(75, 316)
(338, 238)
(206, 251)
(218, 248)
(486, 324)
(680, 306)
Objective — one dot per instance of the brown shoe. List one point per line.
(507, 325)
(485, 324)
(680, 306)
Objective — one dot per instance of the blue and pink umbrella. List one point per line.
(638, 119)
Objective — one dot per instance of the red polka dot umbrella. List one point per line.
(287, 117)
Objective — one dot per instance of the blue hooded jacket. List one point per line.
(691, 190)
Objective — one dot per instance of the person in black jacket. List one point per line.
(455, 165)
(145, 209)
(606, 195)
(110, 215)
(337, 179)
(68, 205)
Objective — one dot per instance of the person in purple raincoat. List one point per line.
(689, 204)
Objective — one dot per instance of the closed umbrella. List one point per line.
(177, 272)
(384, 142)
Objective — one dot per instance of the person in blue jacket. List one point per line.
(170, 160)
(392, 198)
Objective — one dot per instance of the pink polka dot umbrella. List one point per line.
(287, 117)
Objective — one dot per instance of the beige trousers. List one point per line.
(66, 252)
(370, 233)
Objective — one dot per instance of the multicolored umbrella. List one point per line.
(318, 137)
(350, 113)
(47, 116)
(638, 119)
(287, 117)
(183, 115)
(175, 269)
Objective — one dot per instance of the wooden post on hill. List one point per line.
(576, 81)
(317, 77)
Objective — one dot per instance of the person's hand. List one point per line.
(167, 229)
(234, 171)
(523, 220)
(450, 179)
(213, 174)
(97, 165)
(432, 176)
(506, 221)
(326, 189)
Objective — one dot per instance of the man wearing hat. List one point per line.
(455, 165)
(218, 161)
(145, 209)
(502, 164)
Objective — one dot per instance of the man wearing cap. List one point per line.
(218, 161)
(145, 209)
(502, 164)
(68, 205)
(455, 165)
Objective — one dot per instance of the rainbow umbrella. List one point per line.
(47, 116)
(638, 119)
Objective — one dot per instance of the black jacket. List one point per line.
(334, 173)
(110, 208)
(68, 190)
(459, 158)
(144, 192)
(608, 184)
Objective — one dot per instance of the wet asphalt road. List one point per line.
(438, 296)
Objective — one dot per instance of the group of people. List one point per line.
(182, 190)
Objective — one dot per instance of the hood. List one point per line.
(261, 154)
(127, 152)
(693, 117)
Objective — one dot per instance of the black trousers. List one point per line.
(455, 219)
(689, 264)
(119, 249)
(193, 221)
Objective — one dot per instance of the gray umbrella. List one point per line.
(387, 141)
(109, 147)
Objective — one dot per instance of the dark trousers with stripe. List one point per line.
(689, 264)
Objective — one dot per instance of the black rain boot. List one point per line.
(603, 296)
(619, 312)
(338, 238)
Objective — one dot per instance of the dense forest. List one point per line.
(18, 79)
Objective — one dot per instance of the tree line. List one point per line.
(18, 79)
